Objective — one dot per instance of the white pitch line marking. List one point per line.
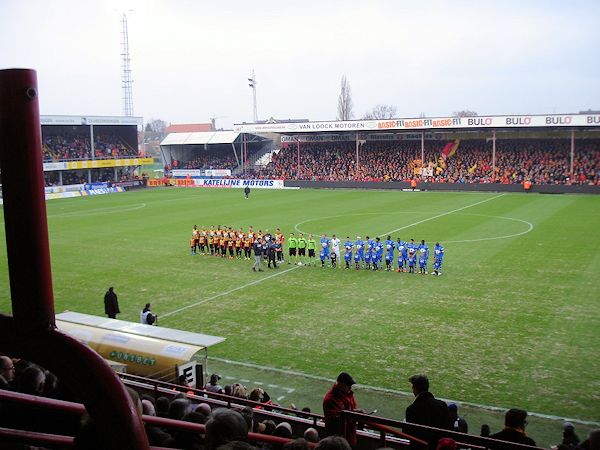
(229, 291)
(441, 215)
(393, 391)
(507, 236)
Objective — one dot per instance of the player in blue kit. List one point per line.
(368, 255)
(411, 249)
(438, 256)
(324, 254)
(389, 253)
(359, 254)
(378, 250)
(348, 251)
(423, 252)
(402, 254)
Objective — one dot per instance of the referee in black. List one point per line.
(247, 192)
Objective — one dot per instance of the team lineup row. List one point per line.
(367, 254)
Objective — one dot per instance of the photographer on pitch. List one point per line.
(146, 316)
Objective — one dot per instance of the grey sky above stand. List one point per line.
(190, 60)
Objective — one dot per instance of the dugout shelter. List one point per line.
(146, 350)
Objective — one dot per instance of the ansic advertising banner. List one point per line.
(426, 123)
(239, 183)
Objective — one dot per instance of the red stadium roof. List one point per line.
(189, 128)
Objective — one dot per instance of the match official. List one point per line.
(292, 246)
(258, 254)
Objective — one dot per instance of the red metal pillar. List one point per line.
(24, 203)
(31, 333)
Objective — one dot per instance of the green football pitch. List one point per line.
(513, 322)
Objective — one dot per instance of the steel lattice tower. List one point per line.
(126, 81)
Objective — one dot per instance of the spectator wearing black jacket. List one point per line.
(258, 254)
(271, 254)
(427, 410)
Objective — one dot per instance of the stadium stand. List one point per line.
(542, 161)
(181, 417)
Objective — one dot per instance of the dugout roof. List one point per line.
(201, 138)
(139, 329)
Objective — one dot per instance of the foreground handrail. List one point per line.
(50, 404)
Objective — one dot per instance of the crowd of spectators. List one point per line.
(57, 147)
(540, 161)
(228, 429)
(212, 159)
(105, 175)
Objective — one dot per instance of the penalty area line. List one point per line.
(441, 215)
(228, 292)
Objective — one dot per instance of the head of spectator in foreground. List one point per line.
(420, 383)
(214, 379)
(162, 406)
(296, 444)
(333, 443)
(446, 444)
(515, 418)
(7, 368)
(225, 425)
(345, 381)
(148, 408)
(485, 430)
(179, 408)
(32, 381)
(204, 408)
(284, 430)
(311, 435)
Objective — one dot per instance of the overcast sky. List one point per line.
(190, 59)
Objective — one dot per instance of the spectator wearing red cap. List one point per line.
(340, 398)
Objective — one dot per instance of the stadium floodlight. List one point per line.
(252, 84)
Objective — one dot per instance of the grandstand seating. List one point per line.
(65, 147)
(542, 161)
(375, 432)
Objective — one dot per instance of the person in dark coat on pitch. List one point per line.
(427, 410)
(111, 304)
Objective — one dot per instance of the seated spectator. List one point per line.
(179, 408)
(223, 426)
(296, 444)
(515, 421)
(213, 384)
(458, 423)
(7, 373)
(570, 439)
(311, 435)
(592, 442)
(189, 440)
(162, 407)
(32, 380)
(333, 443)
